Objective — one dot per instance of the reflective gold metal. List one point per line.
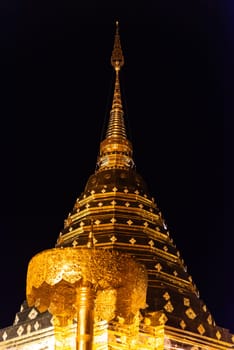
(116, 149)
(85, 285)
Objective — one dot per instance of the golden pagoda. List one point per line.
(115, 279)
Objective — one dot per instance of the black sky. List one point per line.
(56, 89)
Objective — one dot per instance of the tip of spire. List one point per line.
(117, 58)
(116, 150)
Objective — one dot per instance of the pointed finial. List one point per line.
(117, 58)
(116, 150)
(116, 125)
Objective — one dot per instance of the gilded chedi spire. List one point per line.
(115, 279)
(116, 149)
(117, 207)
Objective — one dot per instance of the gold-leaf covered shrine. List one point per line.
(115, 279)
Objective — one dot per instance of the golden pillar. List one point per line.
(85, 316)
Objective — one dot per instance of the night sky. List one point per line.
(177, 88)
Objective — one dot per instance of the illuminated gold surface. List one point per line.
(85, 319)
(117, 58)
(85, 284)
(116, 149)
(94, 294)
